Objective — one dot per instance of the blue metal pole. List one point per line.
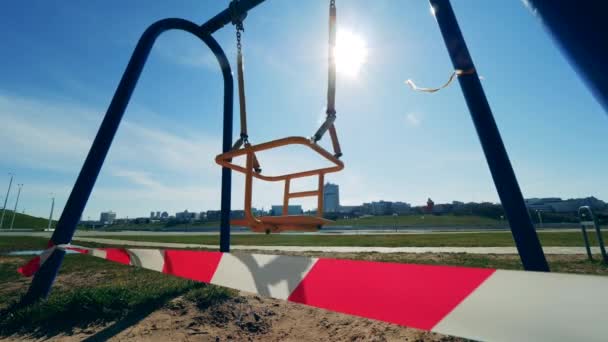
(43, 280)
(580, 27)
(526, 240)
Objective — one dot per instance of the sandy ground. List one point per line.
(252, 318)
(245, 318)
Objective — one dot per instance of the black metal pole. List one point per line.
(526, 240)
(43, 280)
(586, 240)
(580, 28)
(235, 10)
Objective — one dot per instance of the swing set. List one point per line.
(252, 168)
(573, 25)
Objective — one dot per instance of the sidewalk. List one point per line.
(342, 249)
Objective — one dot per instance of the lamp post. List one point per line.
(16, 203)
(10, 182)
(540, 218)
(395, 217)
(51, 214)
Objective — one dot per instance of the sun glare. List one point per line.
(350, 52)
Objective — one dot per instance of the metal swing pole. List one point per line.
(526, 240)
(43, 280)
(579, 28)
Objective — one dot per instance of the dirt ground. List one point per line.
(245, 318)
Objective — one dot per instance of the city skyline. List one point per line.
(398, 145)
(548, 204)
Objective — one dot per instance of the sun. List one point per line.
(350, 53)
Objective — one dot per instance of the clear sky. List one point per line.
(61, 61)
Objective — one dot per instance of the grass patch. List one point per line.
(418, 220)
(489, 239)
(8, 269)
(209, 295)
(20, 243)
(91, 291)
(25, 221)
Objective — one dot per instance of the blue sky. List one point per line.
(61, 62)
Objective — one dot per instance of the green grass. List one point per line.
(94, 291)
(419, 220)
(25, 221)
(207, 296)
(19, 243)
(489, 239)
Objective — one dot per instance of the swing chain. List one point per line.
(239, 28)
(332, 3)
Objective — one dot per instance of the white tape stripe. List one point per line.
(100, 253)
(532, 306)
(46, 254)
(268, 275)
(152, 259)
(588, 223)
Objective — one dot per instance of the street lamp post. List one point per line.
(540, 218)
(51, 215)
(395, 216)
(16, 203)
(6, 199)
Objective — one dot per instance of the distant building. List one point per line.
(430, 205)
(164, 215)
(237, 214)
(556, 204)
(401, 208)
(152, 215)
(331, 198)
(158, 214)
(442, 208)
(213, 215)
(277, 210)
(349, 209)
(107, 217)
(381, 208)
(185, 216)
(543, 204)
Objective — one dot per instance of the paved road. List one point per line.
(341, 249)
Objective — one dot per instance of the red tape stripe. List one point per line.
(79, 250)
(420, 295)
(118, 255)
(30, 268)
(195, 265)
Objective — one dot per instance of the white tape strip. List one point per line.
(269, 275)
(531, 306)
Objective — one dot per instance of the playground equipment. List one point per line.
(252, 165)
(585, 215)
(574, 26)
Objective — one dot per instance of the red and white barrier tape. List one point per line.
(476, 303)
